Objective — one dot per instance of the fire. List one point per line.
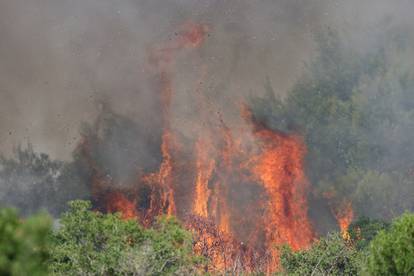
(279, 168)
(205, 167)
(241, 195)
(117, 202)
(192, 35)
(344, 216)
(163, 177)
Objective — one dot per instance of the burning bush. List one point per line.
(240, 182)
(244, 181)
(355, 112)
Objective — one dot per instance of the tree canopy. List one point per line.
(392, 251)
(92, 243)
(24, 244)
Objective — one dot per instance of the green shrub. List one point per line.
(363, 230)
(392, 251)
(23, 244)
(355, 111)
(92, 243)
(328, 256)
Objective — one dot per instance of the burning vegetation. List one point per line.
(344, 217)
(241, 189)
(298, 176)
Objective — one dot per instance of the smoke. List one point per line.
(60, 60)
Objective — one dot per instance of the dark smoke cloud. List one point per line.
(59, 58)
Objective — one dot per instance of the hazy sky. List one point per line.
(59, 58)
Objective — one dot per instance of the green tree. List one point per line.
(392, 251)
(32, 181)
(364, 229)
(92, 243)
(23, 244)
(328, 256)
(355, 110)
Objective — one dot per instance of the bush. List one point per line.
(392, 251)
(92, 243)
(355, 111)
(23, 244)
(363, 230)
(31, 181)
(328, 256)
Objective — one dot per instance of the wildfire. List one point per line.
(210, 242)
(117, 202)
(344, 216)
(204, 185)
(279, 168)
(190, 36)
(205, 167)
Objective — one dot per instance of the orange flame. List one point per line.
(344, 216)
(269, 162)
(117, 202)
(191, 36)
(205, 167)
(279, 167)
(163, 178)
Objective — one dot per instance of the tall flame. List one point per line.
(344, 216)
(279, 168)
(201, 181)
(205, 167)
(191, 36)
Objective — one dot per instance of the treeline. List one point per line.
(354, 106)
(31, 181)
(86, 242)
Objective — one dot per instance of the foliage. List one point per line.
(30, 181)
(23, 244)
(328, 256)
(172, 247)
(392, 251)
(355, 110)
(363, 230)
(375, 194)
(89, 242)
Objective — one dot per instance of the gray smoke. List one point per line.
(60, 59)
